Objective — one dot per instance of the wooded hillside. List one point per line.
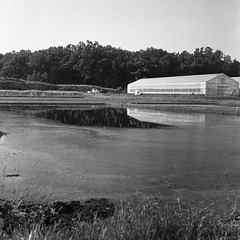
(106, 66)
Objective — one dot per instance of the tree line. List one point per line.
(106, 66)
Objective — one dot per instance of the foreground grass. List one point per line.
(151, 218)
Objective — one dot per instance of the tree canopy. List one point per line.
(107, 66)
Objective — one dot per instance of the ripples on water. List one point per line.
(201, 153)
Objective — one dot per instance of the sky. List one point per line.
(171, 25)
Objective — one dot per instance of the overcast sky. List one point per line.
(172, 25)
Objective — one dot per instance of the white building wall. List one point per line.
(222, 86)
(170, 88)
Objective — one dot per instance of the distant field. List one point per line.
(22, 92)
(20, 84)
(39, 93)
(158, 102)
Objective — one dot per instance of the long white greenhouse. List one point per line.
(208, 85)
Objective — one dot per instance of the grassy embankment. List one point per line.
(11, 87)
(149, 218)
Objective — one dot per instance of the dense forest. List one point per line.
(107, 66)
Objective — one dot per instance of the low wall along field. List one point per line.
(37, 93)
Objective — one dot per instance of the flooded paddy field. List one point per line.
(96, 151)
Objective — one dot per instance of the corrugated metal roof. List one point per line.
(236, 79)
(177, 79)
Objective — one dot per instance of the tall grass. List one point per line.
(150, 218)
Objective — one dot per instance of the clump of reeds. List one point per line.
(150, 218)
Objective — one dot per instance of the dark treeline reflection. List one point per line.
(109, 117)
(2, 134)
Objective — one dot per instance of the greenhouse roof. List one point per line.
(178, 79)
(236, 79)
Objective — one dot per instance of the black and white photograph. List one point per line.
(119, 119)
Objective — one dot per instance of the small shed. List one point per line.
(211, 85)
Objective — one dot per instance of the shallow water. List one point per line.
(47, 154)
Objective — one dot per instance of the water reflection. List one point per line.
(70, 162)
(168, 118)
(108, 117)
(2, 134)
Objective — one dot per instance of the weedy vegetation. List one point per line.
(136, 218)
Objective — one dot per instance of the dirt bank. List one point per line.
(182, 103)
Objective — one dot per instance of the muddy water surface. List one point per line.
(74, 154)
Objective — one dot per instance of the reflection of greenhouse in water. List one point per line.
(167, 118)
(105, 117)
